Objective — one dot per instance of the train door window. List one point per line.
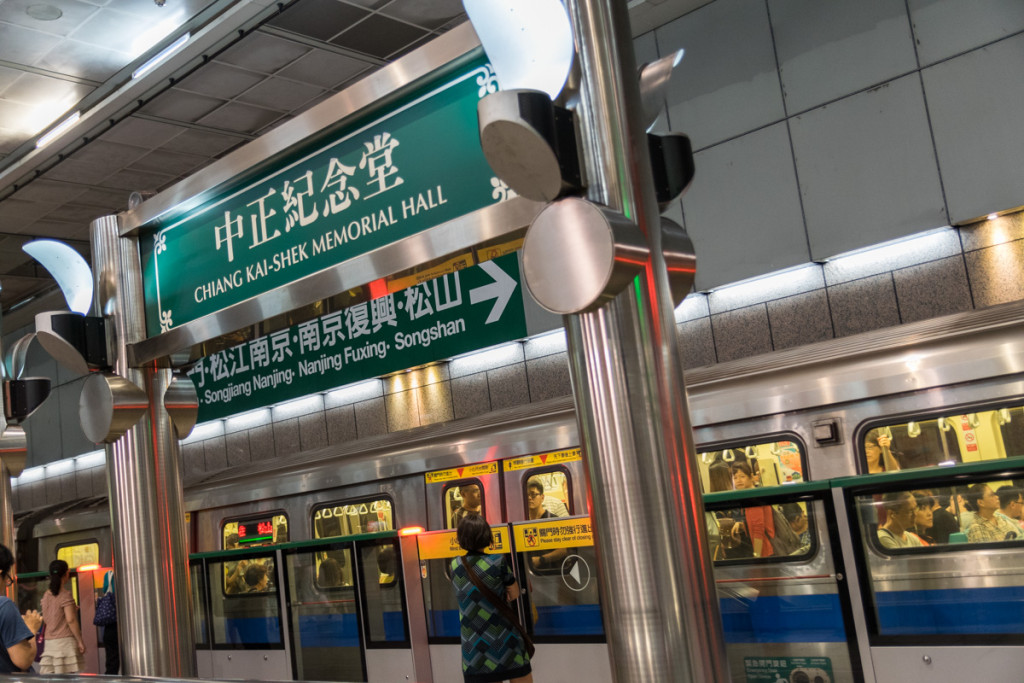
(351, 518)
(752, 532)
(79, 554)
(385, 605)
(547, 493)
(249, 617)
(460, 498)
(770, 463)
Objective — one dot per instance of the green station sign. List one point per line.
(456, 313)
(388, 175)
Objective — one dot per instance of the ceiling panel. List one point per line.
(379, 36)
(325, 69)
(281, 94)
(264, 53)
(220, 80)
(319, 19)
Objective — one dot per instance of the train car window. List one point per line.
(944, 440)
(982, 513)
(771, 463)
(252, 532)
(357, 517)
(755, 532)
(460, 498)
(78, 554)
(547, 493)
(249, 619)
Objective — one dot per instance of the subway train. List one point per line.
(821, 465)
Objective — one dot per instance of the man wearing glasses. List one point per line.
(18, 633)
(1010, 504)
(535, 510)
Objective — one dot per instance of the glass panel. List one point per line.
(945, 440)
(785, 616)
(436, 551)
(918, 587)
(751, 532)
(30, 592)
(770, 463)
(201, 627)
(547, 495)
(324, 618)
(80, 554)
(338, 519)
(249, 617)
(561, 582)
(385, 608)
(467, 496)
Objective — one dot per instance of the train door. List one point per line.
(453, 492)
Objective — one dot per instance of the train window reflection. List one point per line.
(350, 518)
(984, 512)
(462, 498)
(945, 440)
(771, 463)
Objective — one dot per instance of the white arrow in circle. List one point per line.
(575, 572)
(501, 290)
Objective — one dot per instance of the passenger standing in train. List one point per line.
(234, 572)
(988, 526)
(535, 510)
(471, 502)
(796, 516)
(17, 632)
(64, 644)
(900, 508)
(758, 522)
(877, 449)
(493, 648)
(256, 578)
(943, 521)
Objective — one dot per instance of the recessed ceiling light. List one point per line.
(44, 12)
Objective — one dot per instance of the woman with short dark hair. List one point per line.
(492, 649)
(64, 647)
(17, 633)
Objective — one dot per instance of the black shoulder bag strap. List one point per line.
(500, 605)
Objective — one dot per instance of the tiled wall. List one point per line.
(939, 273)
(508, 376)
(824, 127)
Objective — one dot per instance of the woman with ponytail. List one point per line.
(64, 644)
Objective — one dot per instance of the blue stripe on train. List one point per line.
(252, 630)
(552, 620)
(951, 611)
(783, 619)
(329, 630)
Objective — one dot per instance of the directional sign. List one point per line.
(389, 174)
(453, 314)
(575, 573)
(442, 545)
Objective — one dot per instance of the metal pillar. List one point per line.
(143, 476)
(658, 592)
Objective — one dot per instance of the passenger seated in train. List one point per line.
(877, 449)
(234, 572)
(256, 578)
(1010, 504)
(387, 568)
(962, 505)
(796, 516)
(471, 502)
(989, 526)
(900, 508)
(535, 510)
(924, 517)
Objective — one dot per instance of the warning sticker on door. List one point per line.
(788, 669)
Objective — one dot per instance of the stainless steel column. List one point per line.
(657, 589)
(6, 511)
(143, 475)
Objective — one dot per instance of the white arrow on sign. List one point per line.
(501, 290)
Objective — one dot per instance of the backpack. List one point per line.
(106, 611)
(785, 541)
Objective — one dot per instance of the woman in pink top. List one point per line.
(64, 647)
